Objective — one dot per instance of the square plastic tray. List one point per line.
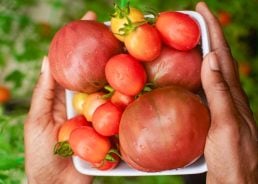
(123, 169)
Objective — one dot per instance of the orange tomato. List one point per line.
(5, 94)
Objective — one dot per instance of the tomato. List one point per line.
(121, 100)
(78, 101)
(89, 145)
(108, 163)
(143, 43)
(125, 74)
(5, 94)
(68, 126)
(106, 119)
(224, 18)
(92, 102)
(178, 30)
(119, 18)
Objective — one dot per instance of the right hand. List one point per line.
(231, 149)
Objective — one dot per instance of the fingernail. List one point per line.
(44, 64)
(213, 62)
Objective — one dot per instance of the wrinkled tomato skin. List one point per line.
(106, 119)
(71, 124)
(89, 145)
(178, 30)
(144, 43)
(125, 74)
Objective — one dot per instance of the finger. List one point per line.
(217, 92)
(44, 92)
(216, 36)
(90, 15)
(219, 45)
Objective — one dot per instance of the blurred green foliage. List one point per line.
(26, 29)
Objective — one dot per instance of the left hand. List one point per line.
(46, 114)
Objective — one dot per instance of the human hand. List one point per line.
(231, 150)
(47, 113)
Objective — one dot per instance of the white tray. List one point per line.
(123, 169)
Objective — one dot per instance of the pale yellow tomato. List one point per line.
(117, 23)
(78, 101)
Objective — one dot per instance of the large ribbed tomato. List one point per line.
(164, 129)
(78, 54)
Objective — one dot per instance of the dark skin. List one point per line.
(231, 150)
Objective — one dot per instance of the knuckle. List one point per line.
(221, 86)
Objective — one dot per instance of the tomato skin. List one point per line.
(106, 164)
(178, 30)
(121, 100)
(117, 23)
(93, 101)
(78, 101)
(144, 43)
(125, 74)
(106, 119)
(71, 124)
(89, 145)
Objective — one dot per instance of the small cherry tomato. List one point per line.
(92, 102)
(224, 18)
(78, 101)
(89, 145)
(125, 74)
(178, 30)
(68, 126)
(106, 119)
(119, 18)
(110, 162)
(121, 100)
(143, 43)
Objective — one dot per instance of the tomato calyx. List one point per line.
(112, 156)
(147, 88)
(152, 15)
(63, 149)
(110, 91)
(121, 12)
(130, 27)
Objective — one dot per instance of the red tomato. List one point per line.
(89, 145)
(125, 74)
(108, 164)
(92, 102)
(68, 126)
(144, 43)
(121, 100)
(178, 30)
(106, 119)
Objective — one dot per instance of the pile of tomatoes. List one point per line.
(93, 134)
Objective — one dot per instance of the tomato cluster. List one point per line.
(148, 50)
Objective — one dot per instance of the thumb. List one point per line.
(44, 92)
(217, 91)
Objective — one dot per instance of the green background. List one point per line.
(26, 29)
